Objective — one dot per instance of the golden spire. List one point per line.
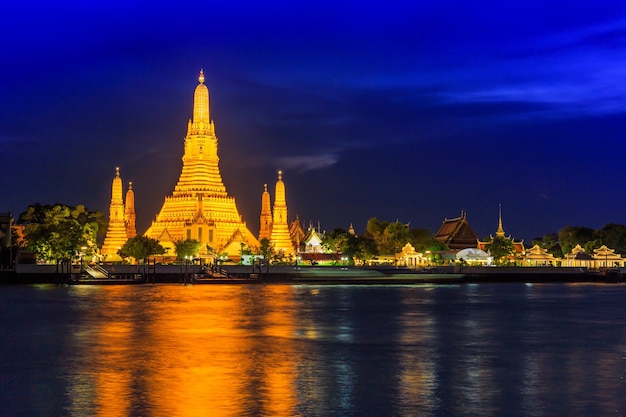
(280, 199)
(266, 215)
(130, 202)
(129, 212)
(116, 234)
(281, 240)
(116, 192)
(201, 102)
(500, 231)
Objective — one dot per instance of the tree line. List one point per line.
(59, 232)
(558, 244)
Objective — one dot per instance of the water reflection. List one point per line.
(278, 350)
(186, 353)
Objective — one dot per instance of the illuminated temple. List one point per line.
(200, 208)
(280, 236)
(121, 219)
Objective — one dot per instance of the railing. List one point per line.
(96, 271)
(111, 278)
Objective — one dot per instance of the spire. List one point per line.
(130, 197)
(266, 215)
(500, 231)
(129, 212)
(201, 102)
(279, 199)
(281, 239)
(116, 234)
(116, 191)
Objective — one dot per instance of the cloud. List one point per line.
(305, 163)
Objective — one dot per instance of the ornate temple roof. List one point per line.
(456, 233)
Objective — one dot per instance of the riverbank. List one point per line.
(241, 274)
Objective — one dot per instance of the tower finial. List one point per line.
(117, 171)
(500, 231)
(201, 77)
(280, 175)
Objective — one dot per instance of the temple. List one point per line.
(280, 238)
(129, 212)
(200, 208)
(265, 220)
(456, 233)
(121, 219)
(518, 246)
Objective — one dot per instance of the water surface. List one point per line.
(282, 350)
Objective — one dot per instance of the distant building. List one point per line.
(409, 258)
(313, 242)
(474, 256)
(296, 232)
(456, 233)
(265, 220)
(603, 257)
(518, 245)
(280, 237)
(121, 220)
(578, 258)
(538, 256)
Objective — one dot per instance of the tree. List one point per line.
(395, 236)
(500, 248)
(266, 250)
(570, 236)
(58, 232)
(244, 250)
(614, 236)
(141, 248)
(591, 245)
(187, 248)
(389, 237)
(335, 241)
(366, 248)
(375, 229)
(550, 242)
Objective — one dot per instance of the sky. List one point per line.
(411, 111)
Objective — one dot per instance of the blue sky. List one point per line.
(401, 110)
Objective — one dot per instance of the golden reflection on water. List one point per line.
(191, 354)
(274, 350)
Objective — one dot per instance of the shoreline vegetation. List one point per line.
(283, 274)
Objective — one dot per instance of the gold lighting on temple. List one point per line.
(129, 213)
(200, 208)
(121, 219)
(266, 215)
(280, 238)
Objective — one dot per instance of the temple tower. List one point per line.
(116, 233)
(129, 213)
(281, 240)
(200, 208)
(500, 231)
(266, 215)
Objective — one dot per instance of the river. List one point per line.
(304, 350)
